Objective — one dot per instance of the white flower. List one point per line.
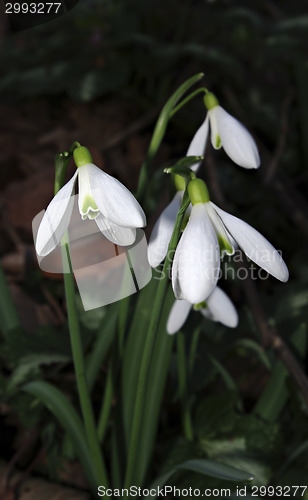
(233, 137)
(228, 133)
(196, 263)
(102, 198)
(217, 307)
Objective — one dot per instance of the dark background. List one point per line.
(99, 75)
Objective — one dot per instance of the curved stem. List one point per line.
(160, 129)
(150, 337)
(187, 99)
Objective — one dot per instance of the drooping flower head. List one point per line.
(217, 307)
(227, 133)
(101, 198)
(210, 231)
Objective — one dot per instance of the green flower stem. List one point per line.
(106, 406)
(187, 99)
(150, 337)
(183, 390)
(61, 163)
(160, 129)
(79, 364)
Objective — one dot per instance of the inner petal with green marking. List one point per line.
(89, 208)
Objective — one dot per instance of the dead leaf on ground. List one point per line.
(30, 488)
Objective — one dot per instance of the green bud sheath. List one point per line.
(201, 305)
(210, 101)
(82, 156)
(198, 192)
(179, 182)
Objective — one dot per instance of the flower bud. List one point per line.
(210, 101)
(82, 156)
(179, 182)
(198, 192)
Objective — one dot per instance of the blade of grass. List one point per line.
(275, 395)
(66, 414)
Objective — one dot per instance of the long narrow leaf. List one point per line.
(276, 393)
(66, 414)
(158, 372)
(206, 467)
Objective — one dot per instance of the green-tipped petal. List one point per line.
(235, 139)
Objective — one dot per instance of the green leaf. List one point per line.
(256, 348)
(30, 364)
(158, 372)
(216, 469)
(221, 370)
(205, 467)
(66, 414)
(276, 393)
(8, 313)
(101, 346)
(299, 450)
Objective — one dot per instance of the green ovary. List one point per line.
(89, 208)
(201, 305)
(224, 245)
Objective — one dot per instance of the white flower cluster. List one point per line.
(210, 231)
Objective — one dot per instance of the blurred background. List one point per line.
(100, 74)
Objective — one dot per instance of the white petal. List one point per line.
(197, 260)
(222, 235)
(118, 235)
(86, 203)
(215, 137)
(162, 231)
(237, 142)
(221, 308)
(254, 245)
(56, 219)
(177, 316)
(114, 200)
(198, 143)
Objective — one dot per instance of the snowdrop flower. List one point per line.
(101, 198)
(217, 307)
(196, 263)
(163, 228)
(228, 133)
